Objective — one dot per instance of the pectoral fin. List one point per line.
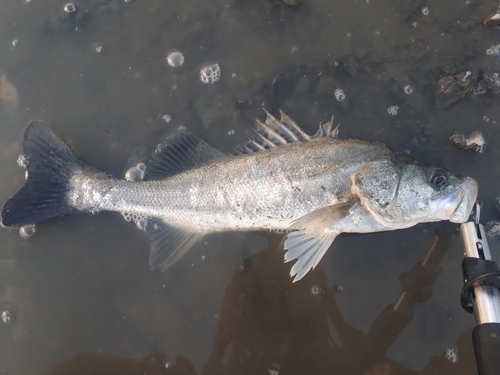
(168, 243)
(307, 249)
(314, 235)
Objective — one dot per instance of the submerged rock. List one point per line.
(350, 64)
(451, 88)
(493, 21)
(492, 228)
(475, 141)
(490, 82)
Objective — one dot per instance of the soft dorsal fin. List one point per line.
(180, 151)
(275, 133)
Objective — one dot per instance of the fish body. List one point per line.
(314, 187)
(259, 191)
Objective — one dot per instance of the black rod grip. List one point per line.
(486, 340)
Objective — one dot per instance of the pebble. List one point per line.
(475, 141)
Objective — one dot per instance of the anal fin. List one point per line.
(168, 243)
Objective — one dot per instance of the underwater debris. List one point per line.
(492, 228)
(493, 21)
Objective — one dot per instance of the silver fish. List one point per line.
(313, 187)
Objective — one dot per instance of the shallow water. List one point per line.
(82, 287)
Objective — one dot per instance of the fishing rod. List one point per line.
(481, 294)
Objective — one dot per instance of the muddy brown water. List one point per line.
(80, 293)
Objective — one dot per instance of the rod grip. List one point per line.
(486, 339)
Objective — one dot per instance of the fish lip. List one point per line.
(468, 196)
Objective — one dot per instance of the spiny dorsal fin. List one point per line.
(287, 128)
(275, 133)
(327, 130)
(180, 151)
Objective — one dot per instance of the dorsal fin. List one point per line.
(180, 151)
(275, 133)
(327, 130)
(287, 128)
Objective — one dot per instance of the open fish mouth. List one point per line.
(457, 206)
(468, 196)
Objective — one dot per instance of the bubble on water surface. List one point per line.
(337, 289)
(393, 110)
(141, 224)
(15, 42)
(425, 11)
(451, 355)
(99, 49)
(139, 220)
(134, 174)
(175, 58)
(210, 73)
(22, 161)
(141, 166)
(27, 231)
(408, 89)
(6, 316)
(70, 7)
(339, 95)
(316, 290)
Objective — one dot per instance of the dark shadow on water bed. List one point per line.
(268, 325)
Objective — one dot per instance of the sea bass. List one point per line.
(311, 187)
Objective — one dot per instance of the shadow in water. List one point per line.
(270, 325)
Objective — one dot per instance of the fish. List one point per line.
(312, 188)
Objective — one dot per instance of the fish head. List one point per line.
(400, 192)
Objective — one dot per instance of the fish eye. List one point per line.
(438, 179)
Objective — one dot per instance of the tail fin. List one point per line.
(50, 165)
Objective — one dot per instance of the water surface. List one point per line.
(82, 287)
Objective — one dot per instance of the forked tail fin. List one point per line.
(50, 164)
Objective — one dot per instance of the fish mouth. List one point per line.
(456, 207)
(468, 196)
